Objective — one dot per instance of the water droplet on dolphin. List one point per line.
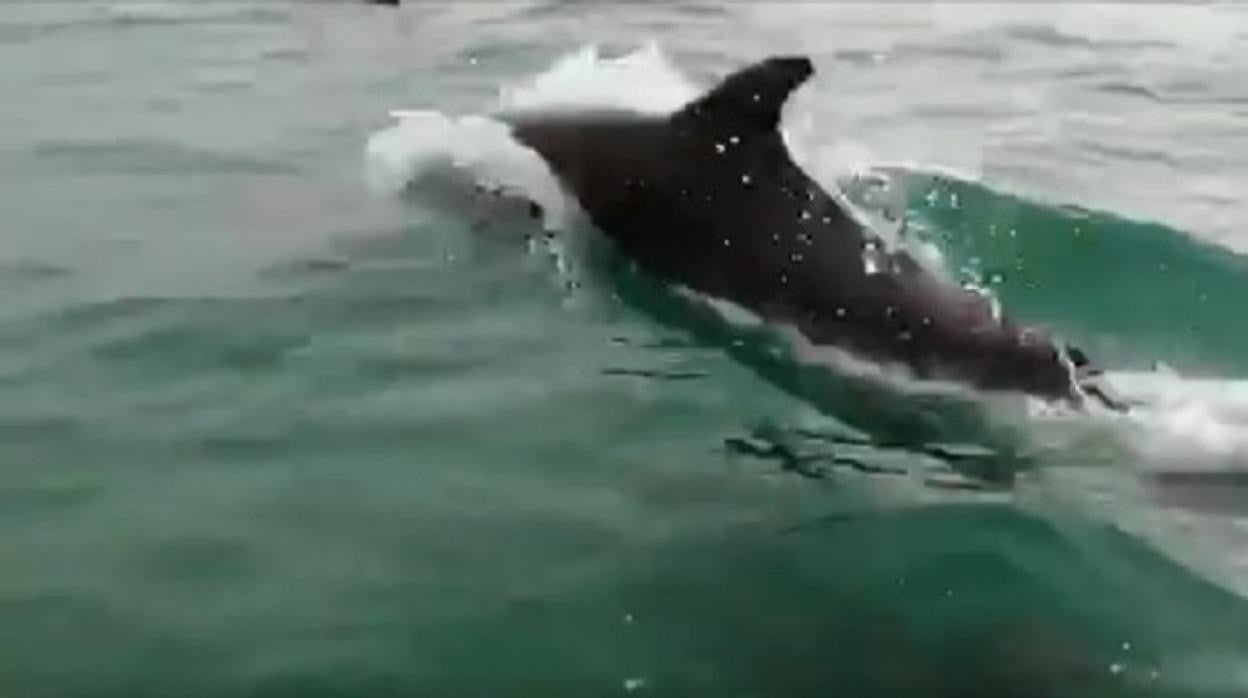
(719, 148)
(870, 257)
(734, 139)
(745, 179)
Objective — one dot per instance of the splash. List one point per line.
(1185, 422)
(431, 145)
(643, 81)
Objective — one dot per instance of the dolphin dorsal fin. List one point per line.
(753, 96)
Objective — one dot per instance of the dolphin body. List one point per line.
(709, 197)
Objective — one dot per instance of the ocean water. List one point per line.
(290, 407)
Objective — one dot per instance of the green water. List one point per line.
(265, 433)
(1102, 280)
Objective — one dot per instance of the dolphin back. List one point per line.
(710, 198)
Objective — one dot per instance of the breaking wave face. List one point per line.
(968, 231)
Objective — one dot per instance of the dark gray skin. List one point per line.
(710, 198)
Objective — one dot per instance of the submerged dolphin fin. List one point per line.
(1090, 380)
(752, 97)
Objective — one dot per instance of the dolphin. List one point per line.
(708, 197)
